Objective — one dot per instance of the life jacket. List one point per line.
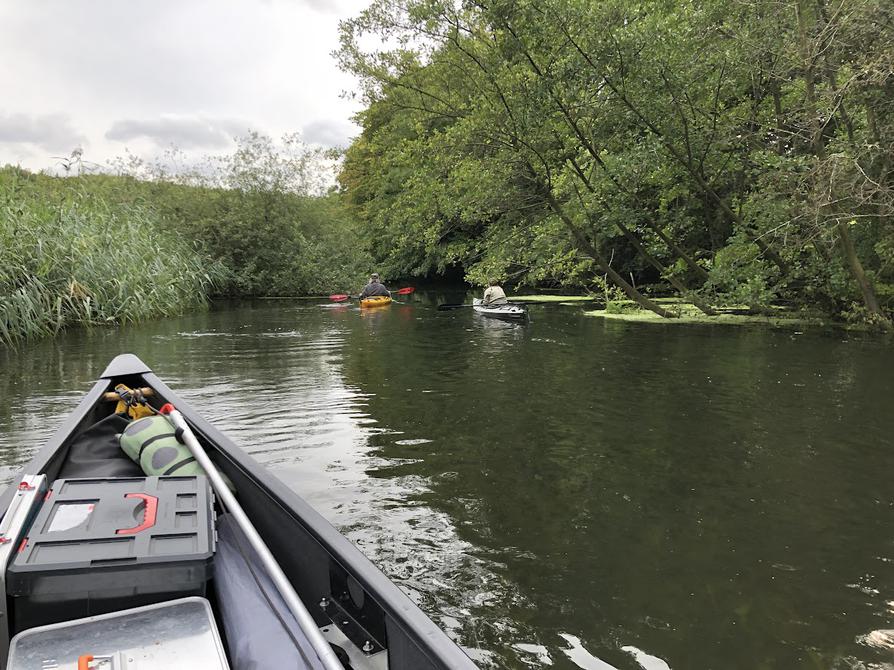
(151, 443)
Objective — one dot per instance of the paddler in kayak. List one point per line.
(375, 287)
(493, 295)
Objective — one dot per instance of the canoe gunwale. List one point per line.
(48, 460)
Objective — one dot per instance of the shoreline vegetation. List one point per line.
(693, 316)
(724, 153)
(68, 256)
(107, 249)
(730, 152)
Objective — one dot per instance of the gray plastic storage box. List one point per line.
(176, 635)
(100, 545)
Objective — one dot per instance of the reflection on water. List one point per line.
(581, 657)
(647, 661)
(563, 493)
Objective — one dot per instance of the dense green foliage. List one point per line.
(67, 256)
(111, 249)
(263, 212)
(733, 152)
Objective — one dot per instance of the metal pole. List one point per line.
(284, 586)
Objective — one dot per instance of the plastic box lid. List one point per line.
(95, 534)
(173, 635)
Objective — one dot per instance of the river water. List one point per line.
(569, 493)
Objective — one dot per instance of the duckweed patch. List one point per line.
(687, 313)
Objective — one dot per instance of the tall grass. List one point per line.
(68, 256)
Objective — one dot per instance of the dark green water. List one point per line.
(571, 493)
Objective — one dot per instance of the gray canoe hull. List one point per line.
(320, 562)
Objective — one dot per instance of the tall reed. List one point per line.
(68, 256)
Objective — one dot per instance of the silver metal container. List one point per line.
(175, 635)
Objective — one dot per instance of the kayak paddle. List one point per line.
(290, 598)
(442, 308)
(341, 297)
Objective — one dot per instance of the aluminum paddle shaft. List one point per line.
(284, 586)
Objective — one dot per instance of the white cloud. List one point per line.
(160, 70)
(184, 132)
(330, 133)
(53, 133)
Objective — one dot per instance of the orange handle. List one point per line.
(148, 514)
(84, 661)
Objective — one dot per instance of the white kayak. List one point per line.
(505, 311)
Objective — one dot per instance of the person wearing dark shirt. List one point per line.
(374, 288)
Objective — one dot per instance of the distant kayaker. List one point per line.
(375, 287)
(493, 294)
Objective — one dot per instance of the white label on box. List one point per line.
(68, 516)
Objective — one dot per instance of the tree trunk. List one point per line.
(856, 268)
(594, 154)
(681, 159)
(658, 265)
(777, 110)
(700, 271)
(634, 240)
(585, 245)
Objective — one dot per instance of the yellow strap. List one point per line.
(135, 411)
(139, 411)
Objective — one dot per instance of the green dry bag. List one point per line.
(151, 442)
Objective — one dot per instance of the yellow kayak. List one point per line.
(376, 301)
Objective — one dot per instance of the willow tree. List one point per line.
(493, 134)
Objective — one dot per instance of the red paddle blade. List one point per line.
(338, 297)
(404, 291)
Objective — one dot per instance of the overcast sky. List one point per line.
(110, 75)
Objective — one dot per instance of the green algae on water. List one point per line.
(552, 298)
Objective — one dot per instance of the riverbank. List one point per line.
(566, 299)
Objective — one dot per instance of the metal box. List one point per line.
(176, 635)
